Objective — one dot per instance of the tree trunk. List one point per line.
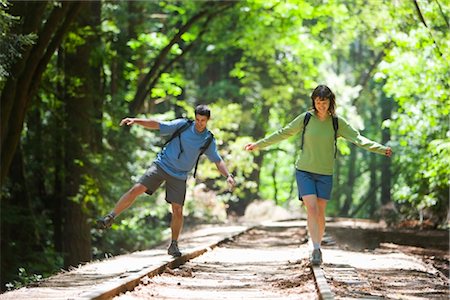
(83, 119)
(350, 183)
(18, 223)
(20, 87)
(239, 207)
(386, 174)
(274, 182)
(59, 140)
(372, 195)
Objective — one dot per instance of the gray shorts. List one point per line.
(175, 188)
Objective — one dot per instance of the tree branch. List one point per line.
(425, 23)
(442, 13)
(186, 50)
(143, 88)
(364, 78)
(70, 15)
(26, 77)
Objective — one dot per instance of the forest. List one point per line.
(70, 71)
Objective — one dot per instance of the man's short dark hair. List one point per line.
(203, 110)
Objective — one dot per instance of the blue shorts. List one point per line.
(314, 184)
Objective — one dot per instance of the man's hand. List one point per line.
(388, 152)
(127, 121)
(251, 147)
(231, 182)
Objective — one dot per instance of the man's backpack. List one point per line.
(183, 128)
(335, 127)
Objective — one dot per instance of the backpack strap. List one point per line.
(203, 149)
(305, 122)
(179, 131)
(335, 127)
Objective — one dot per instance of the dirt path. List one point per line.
(362, 260)
(265, 263)
(270, 262)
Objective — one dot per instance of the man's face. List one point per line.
(322, 104)
(200, 122)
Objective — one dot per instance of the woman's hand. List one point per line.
(251, 147)
(388, 152)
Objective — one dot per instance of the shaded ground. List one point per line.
(411, 264)
(361, 260)
(265, 263)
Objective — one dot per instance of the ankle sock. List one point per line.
(316, 245)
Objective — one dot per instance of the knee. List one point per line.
(177, 211)
(312, 210)
(137, 189)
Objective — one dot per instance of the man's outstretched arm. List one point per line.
(147, 123)
(224, 171)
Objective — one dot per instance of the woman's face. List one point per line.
(322, 105)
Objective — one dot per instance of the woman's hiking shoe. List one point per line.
(173, 249)
(105, 222)
(316, 257)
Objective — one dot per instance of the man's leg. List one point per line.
(175, 195)
(175, 225)
(177, 221)
(128, 198)
(124, 202)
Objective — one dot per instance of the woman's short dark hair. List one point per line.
(324, 92)
(203, 110)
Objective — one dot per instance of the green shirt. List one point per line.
(318, 148)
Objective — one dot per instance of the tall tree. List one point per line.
(83, 105)
(22, 83)
(163, 61)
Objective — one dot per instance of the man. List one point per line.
(172, 166)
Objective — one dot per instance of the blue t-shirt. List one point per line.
(192, 141)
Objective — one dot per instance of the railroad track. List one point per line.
(264, 262)
(269, 261)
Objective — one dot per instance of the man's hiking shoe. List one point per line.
(173, 250)
(316, 257)
(105, 222)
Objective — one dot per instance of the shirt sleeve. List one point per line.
(212, 153)
(169, 127)
(352, 135)
(289, 130)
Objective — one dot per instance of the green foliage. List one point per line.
(24, 280)
(255, 63)
(12, 45)
(416, 76)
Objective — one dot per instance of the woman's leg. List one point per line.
(321, 208)
(315, 209)
(312, 211)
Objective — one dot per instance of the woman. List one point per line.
(315, 163)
